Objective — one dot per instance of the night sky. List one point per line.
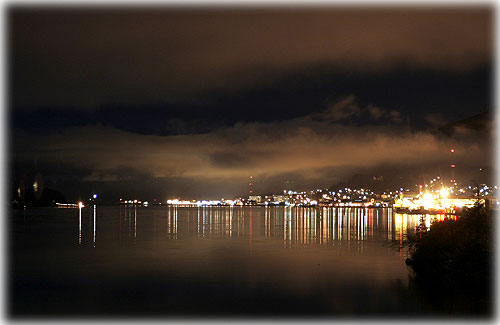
(168, 101)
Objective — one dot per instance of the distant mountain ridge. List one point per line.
(480, 124)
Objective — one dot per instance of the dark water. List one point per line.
(219, 261)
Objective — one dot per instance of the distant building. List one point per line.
(280, 198)
(255, 198)
(409, 194)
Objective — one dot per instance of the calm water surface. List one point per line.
(220, 261)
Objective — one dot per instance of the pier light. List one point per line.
(428, 201)
(80, 204)
(95, 196)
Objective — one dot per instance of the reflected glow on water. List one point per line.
(79, 225)
(94, 223)
(297, 227)
(167, 258)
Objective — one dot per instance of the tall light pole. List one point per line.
(452, 166)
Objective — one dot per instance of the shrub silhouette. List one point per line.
(455, 256)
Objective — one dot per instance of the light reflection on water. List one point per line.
(331, 260)
(295, 226)
(79, 226)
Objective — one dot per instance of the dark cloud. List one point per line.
(345, 109)
(119, 173)
(435, 119)
(305, 150)
(404, 95)
(65, 57)
(348, 109)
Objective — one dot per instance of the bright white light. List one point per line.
(428, 201)
(95, 196)
(80, 204)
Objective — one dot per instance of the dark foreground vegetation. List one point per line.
(452, 263)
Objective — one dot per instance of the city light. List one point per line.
(431, 199)
(427, 201)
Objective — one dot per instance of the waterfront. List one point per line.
(218, 261)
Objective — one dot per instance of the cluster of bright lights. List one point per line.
(204, 202)
(484, 190)
(429, 197)
(69, 205)
(438, 200)
(181, 202)
(207, 203)
(134, 202)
